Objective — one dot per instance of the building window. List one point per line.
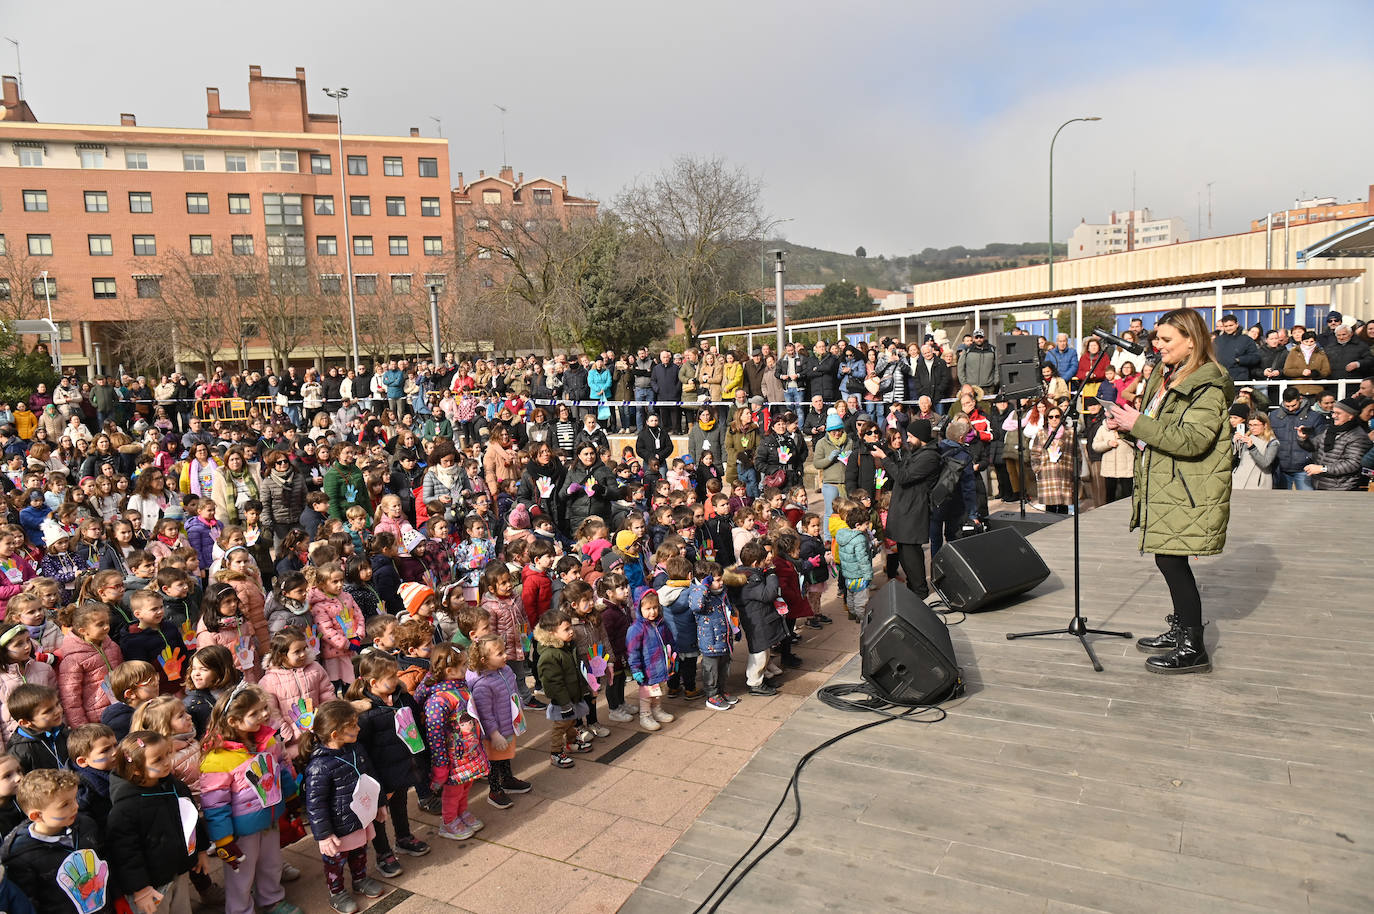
(506, 225)
(235, 161)
(483, 225)
(400, 283)
(100, 245)
(140, 201)
(246, 285)
(30, 156)
(429, 168)
(278, 160)
(148, 286)
(97, 201)
(360, 206)
(103, 287)
(242, 244)
(434, 245)
(391, 166)
(543, 196)
(357, 165)
(137, 161)
(436, 279)
(326, 245)
(282, 209)
(484, 253)
(92, 158)
(324, 205)
(198, 203)
(429, 206)
(491, 197)
(201, 245)
(487, 282)
(365, 284)
(35, 201)
(395, 206)
(362, 245)
(4, 249)
(330, 284)
(45, 287)
(399, 245)
(321, 164)
(240, 204)
(145, 245)
(193, 161)
(40, 245)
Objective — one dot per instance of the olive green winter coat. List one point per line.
(1182, 500)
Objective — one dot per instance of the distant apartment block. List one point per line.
(1125, 231)
(1318, 209)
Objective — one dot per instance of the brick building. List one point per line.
(230, 237)
(1318, 209)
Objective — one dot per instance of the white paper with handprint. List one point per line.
(365, 795)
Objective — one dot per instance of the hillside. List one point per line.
(813, 265)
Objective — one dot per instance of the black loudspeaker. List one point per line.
(1018, 378)
(1031, 523)
(975, 573)
(1012, 347)
(905, 649)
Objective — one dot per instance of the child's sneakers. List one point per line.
(432, 804)
(369, 887)
(646, 720)
(412, 846)
(620, 715)
(472, 821)
(717, 703)
(580, 745)
(342, 902)
(389, 866)
(693, 694)
(497, 797)
(457, 830)
(598, 730)
(286, 907)
(558, 760)
(731, 699)
(662, 716)
(513, 784)
(814, 622)
(825, 620)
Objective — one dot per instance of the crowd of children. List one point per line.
(195, 694)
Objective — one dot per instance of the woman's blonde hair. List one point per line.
(1267, 434)
(1190, 324)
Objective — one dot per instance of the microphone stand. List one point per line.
(1078, 625)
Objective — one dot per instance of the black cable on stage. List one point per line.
(834, 696)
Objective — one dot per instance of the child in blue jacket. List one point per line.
(711, 611)
(649, 644)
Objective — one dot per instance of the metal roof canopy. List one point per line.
(42, 326)
(1355, 241)
(1215, 285)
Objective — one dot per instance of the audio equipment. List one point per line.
(978, 572)
(905, 651)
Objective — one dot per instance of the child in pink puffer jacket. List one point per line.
(296, 686)
(88, 656)
(339, 621)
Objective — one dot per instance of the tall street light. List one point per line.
(339, 95)
(1056, 136)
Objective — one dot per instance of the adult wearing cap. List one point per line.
(1334, 319)
(912, 470)
(1338, 449)
(1236, 352)
(1182, 498)
(978, 363)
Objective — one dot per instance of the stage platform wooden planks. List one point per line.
(1052, 788)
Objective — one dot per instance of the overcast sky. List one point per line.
(893, 125)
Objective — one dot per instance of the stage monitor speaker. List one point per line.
(1014, 348)
(1033, 522)
(905, 649)
(977, 572)
(1015, 377)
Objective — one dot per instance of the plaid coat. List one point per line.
(1053, 478)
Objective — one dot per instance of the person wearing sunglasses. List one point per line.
(282, 494)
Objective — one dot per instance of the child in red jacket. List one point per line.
(536, 593)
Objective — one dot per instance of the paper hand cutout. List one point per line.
(84, 878)
(171, 660)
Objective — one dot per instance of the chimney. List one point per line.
(212, 100)
(128, 120)
(254, 71)
(414, 131)
(300, 74)
(565, 184)
(481, 174)
(521, 179)
(460, 182)
(507, 173)
(11, 91)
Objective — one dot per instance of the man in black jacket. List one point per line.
(666, 381)
(1236, 352)
(929, 375)
(575, 386)
(1285, 421)
(825, 374)
(1349, 357)
(913, 471)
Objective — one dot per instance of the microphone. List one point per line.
(1118, 342)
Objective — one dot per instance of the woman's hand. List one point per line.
(1123, 417)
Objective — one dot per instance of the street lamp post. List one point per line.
(778, 297)
(57, 337)
(1056, 136)
(339, 95)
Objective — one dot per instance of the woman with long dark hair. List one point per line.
(1182, 498)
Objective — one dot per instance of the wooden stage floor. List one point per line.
(1053, 788)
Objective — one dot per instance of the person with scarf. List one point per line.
(200, 473)
(541, 483)
(706, 434)
(282, 494)
(1052, 458)
(238, 483)
(1307, 362)
(1338, 450)
(653, 441)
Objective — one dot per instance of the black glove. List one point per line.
(565, 711)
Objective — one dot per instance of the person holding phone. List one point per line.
(1182, 497)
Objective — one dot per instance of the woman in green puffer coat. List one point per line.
(1182, 499)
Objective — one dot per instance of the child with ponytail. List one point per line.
(454, 738)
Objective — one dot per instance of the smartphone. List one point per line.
(1108, 406)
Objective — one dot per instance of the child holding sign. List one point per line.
(389, 732)
(246, 785)
(341, 794)
(296, 686)
(593, 649)
(154, 838)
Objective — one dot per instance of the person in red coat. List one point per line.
(787, 549)
(536, 594)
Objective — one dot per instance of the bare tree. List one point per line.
(21, 285)
(693, 228)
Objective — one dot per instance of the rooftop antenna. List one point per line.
(505, 159)
(19, 64)
(438, 122)
(1209, 206)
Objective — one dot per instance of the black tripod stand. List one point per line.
(1078, 625)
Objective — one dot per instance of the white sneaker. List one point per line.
(598, 730)
(648, 723)
(620, 716)
(630, 708)
(662, 716)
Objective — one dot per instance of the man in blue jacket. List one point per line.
(1236, 352)
(1063, 357)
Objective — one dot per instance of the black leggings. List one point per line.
(400, 821)
(1178, 574)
